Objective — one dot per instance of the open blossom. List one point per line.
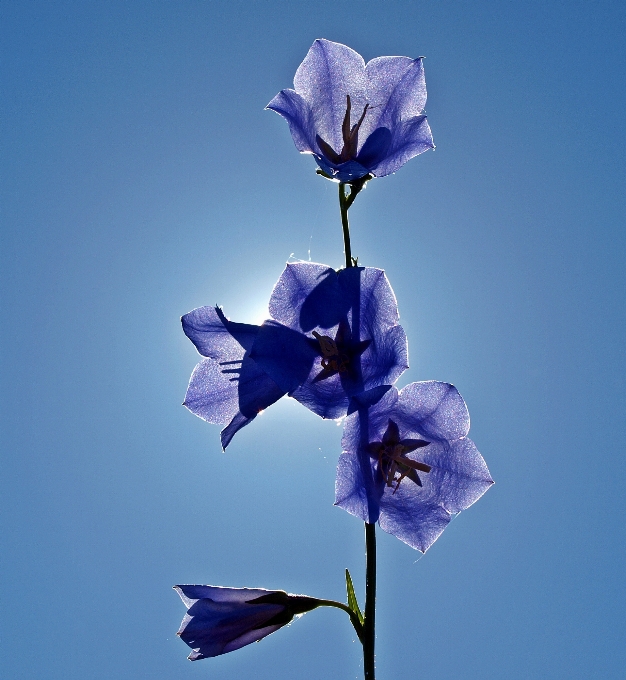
(227, 387)
(221, 620)
(332, 335)
(407, 462)
(356, 119)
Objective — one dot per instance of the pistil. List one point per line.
(350, 137)
(393, 463)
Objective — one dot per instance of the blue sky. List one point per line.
(141, 178)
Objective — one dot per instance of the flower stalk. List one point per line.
(345, 202)
(369, 636)
(343, 206)
(368, 632)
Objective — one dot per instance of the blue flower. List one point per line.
(228, 387)
(407, 462)
(221, 620)
(356, 119)
(332, 335)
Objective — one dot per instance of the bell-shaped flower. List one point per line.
(356, 119)
(227, 387)
(221, 620)
(407, 462)
(332, 335)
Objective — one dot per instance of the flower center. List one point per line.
(332, 358)
(393, 463)
(350, 138)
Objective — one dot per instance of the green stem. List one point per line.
(353, 617)
(366, 631)
(343, 206)
(369, 636)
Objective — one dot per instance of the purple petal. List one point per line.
(230, 392)
(215, 336)
(190, 594)
(327, 398)
(358, 432)
(434, 410)
(409, 138)
(344, 172)
(378, 303)
(368, 398)
(212, 628)
(417, 523)
(284, 354)
(376, 148)
(312, 297)
(458, 473)
(382, 363)
(329, 72)
(385, 359)
(250, 637)
(396, 90)
(211, 395)
(307, 296)
(298, 114)
(227, 434)
(355, 490)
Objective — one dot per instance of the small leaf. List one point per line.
(353, 603)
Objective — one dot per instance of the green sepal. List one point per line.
(319, 171)
(353, 603)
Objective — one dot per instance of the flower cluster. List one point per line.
(334, 343)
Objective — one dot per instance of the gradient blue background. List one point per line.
(141, 178)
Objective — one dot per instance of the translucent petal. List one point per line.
(409, 139)
(458, 472)
(355, 490)
(396, 90)
(190, 594)
(211, 395)
(249, 637)
(229, 386)
(298, 114)
(416, 523)
(329, 72)
(215, 336)
(434, 410)
(326, 398)
(308, 296)
(375, 149)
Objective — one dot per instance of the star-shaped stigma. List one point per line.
(338, 355)
(393, 463)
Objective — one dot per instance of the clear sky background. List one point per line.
(141, 178)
